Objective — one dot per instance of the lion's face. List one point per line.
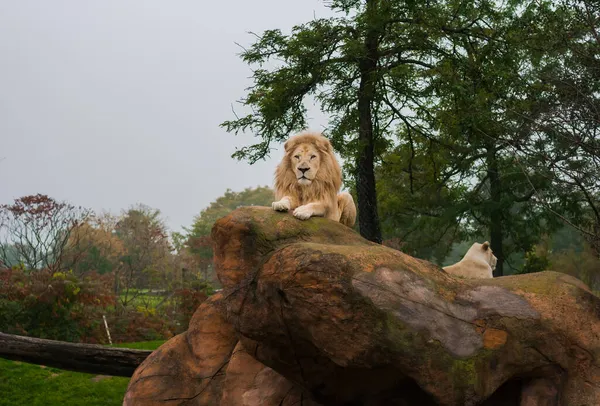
(493, 261)
(305, 161)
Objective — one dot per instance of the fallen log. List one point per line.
(89, 358)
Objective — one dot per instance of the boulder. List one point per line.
(250, 383)
(207, 365)
(312, 311)
(189, 369)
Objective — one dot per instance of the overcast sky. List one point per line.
(110, 103)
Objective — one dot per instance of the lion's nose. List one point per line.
(303, 170)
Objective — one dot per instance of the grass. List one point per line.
(142, 345)
(35, 385)
(142, 298)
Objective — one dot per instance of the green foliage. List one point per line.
(417, 207)
(198, 238)
(496, 153)
(259, 196)
(485, 95)
(146, 256)
(460, 92)
(10, 256)
(322, 59)
(94, 260)
(535, 262)
(567, 251)
(568, 123)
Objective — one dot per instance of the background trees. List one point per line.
(197, 241)
(460, 120)
(99, 247)
(64, 268)
(456, 121)
(37, 231)
(361, 67)
(568, 143)
(482, 97)
(146, 252)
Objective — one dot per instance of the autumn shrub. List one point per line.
(185, 303)
(62, 306)
(54, 305)
(134, 324)
(169, 317)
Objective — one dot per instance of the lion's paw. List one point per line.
(282, 205)
(303, 212)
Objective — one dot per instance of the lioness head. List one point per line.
(488, 254)
(310, 157)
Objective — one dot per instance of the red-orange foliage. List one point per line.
(54, 305)
(36, 231)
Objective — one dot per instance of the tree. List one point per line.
(145, 262)
(37, 229)
(484, 98)
(463, 77)
(97, 244)
(9, 257)
(198, 240)
(566, 251)
(420, 208)
(223, 205)
(568, 147)
(361, 67)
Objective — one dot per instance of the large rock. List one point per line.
(207, 365)
(324, 316)
(189, 368)
(251, 383)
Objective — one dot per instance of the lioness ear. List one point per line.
(485, 246)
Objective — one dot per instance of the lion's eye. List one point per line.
(297, 156)
(313, 156)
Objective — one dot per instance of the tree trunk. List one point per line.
(89, 358)
(368, 218)
(496, 210)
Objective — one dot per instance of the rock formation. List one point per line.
(312, 314)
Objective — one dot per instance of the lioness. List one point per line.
(478, 263)
(308, 180)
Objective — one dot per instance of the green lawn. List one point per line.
(142, 299)
(34, 385)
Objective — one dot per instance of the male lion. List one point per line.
(478, 263)
(308, 179)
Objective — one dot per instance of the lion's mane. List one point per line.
(323, 188)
